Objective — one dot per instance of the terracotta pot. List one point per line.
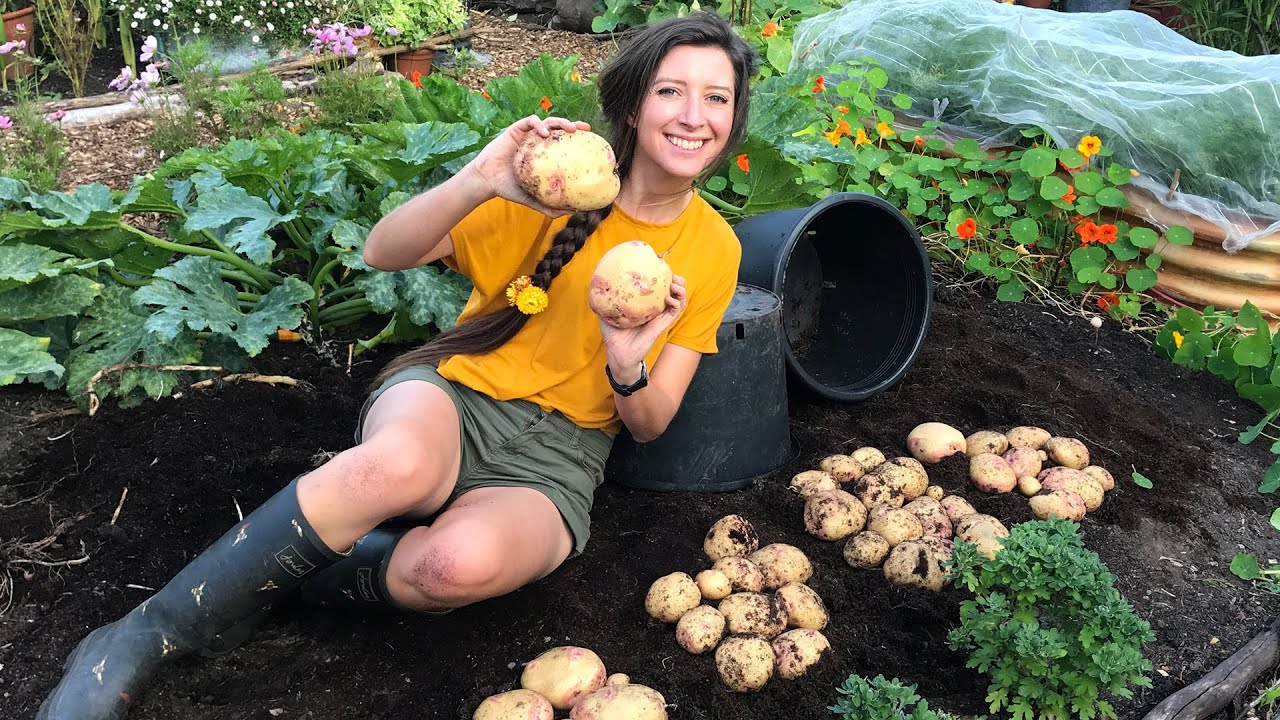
(25, 17)
(411, 61)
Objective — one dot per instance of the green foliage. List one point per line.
(881, 699)
(1048, 625)
(35, 149)
(1248, 27)
(250, 104)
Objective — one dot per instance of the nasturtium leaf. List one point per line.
(1011, 291)
(717, 183)
(1179, 235)
(1053, 188)
(1070, 157)
(1084, 257)
(1110, 197)
(1143, 237)
(1108, 280)
(1004, 211)
(902, 101)
(1250, 316)
(1087, 206)
(1271, 478)
(1038, 162)
(1141, 480)
(877, 78)
(969, 149)
(1196, 348)
(1245, 567)
(1252, 432)
(1189, 319)
(1123, 250)
(1021, 187)
(1118, 175)
(1154, 262)
(1266, 395)
(1140, 279)
(1275, 519)
(1038, 206)
(23, 356)
(1089, 274)
(1088, 183)
(1223, 365)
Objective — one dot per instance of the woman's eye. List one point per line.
(719, 99)
(666, 91)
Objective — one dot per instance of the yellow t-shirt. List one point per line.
(557, 360)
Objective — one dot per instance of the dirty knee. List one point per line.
(449, 574)
(396, 481)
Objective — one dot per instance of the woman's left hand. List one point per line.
(626, 348)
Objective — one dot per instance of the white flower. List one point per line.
(133, 24)
(255, 38)
(156, 22)
(195, 30)
(270, 27)
(213, 16)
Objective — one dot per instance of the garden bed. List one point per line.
(192, 462)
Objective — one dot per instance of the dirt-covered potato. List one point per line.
(1027, 436)
(956, 507)
(803, 606)
(713, 584)
(940, 546)
(700, 629)
(868, 457)
(1103, 477)
(780, 564)
(841, 467)
(517, 704)
(914, 564)
(1067, 452)
(897, 526)
(1086, 487)
(866, 550)
(873, 491)
(564, 675)
(1024, 461)
(745, 662)
(933, 519)
(991, 474)
(795, 651)
(983, 532)
(931, 442)
(618, 679)
(935, 491)
(808, 482)
(742, 573)
(1028, 485)
(834, 515)
(905, 476)
(1062, 504)
(730, 536)
(754, 613)
(671, 596)
(621, 702)
(986, 441)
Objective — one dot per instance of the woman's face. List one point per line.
(687, 113)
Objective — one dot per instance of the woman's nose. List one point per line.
(691, 112)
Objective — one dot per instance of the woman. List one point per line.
(493, 436)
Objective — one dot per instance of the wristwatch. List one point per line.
(627, 390)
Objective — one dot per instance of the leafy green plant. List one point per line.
(881, 699)
(1248, 27)
(71, 28)
(249, 104)
(1048, 625)
(1245, 566)
(34, 147)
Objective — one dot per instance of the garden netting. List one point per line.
(1162, 102)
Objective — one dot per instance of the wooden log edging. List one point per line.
(1225, 682)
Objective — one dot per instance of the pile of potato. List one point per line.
(755, 594)
(1053, 471)
(574, 679)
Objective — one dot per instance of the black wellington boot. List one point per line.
(252, 565)
(359, 580)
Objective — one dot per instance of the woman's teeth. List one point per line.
(685, 144)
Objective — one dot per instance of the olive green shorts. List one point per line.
(515, 443)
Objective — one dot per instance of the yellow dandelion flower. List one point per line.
(1177, 339)
(531, 300)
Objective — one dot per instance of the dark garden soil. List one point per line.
(187, 462)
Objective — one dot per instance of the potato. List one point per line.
(982, 531)
(914, 564)
(868, 457)
(897, 526)
(742, 573)
(941, 547)
(991, 474)
(564, 675)
(1027, 436)
(986, 441)
(700, 629)
(1068, 452)
(780, 564)
(841, 467)
(931, 442)
(956, 507)
(834, 515)
(1062, 504)
(753, 613)
(630, 285)
(575, 171)
(873, 491)
(933, 519)
(713, 584)
(809, 482)
(803, 606)
(745, 662)
(866, 550)
(1023, 460)
(905, 476)
(795, 651)
(621, 702)
(730, 536)
(518, 704)
(1086, 487)
(671, 596)
(618, 679)
(935, 491)
(1103, 477)
(1028, 485)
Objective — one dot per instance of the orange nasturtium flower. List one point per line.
(1177, 339)
(545, 103)
(1070, 194)
(819, 85)
(1106, 302)
(884, 130)
(1107, 234)
(743, 163)
(861, 138)
(1089, 145)
(967, 229)
(485, 94)
(833, 137)
(770, 29)
(842, 109)
(919, 141)
(1088, 232)
(416, 78)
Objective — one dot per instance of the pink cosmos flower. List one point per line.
(5, 122)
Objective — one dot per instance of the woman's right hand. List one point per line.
(495, 164)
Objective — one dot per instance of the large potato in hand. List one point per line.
(745, 662)
(573, 171)
(931, 442)
(515, 705)
(671, 596)
(621, 702)
(563, 675)
(630, 286)
(730, 536)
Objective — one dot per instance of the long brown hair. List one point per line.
(624, 85)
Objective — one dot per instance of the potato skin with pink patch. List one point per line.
(630, 285)
(574, 171)
(563, 675)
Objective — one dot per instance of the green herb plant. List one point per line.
(881, 699)
(1048, 625)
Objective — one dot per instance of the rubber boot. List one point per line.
(256, 562)
(359, 580)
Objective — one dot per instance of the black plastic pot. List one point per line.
(732, 426)
(856, 290)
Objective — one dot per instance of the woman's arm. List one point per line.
(648, 411)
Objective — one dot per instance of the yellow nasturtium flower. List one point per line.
(1177, 339)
